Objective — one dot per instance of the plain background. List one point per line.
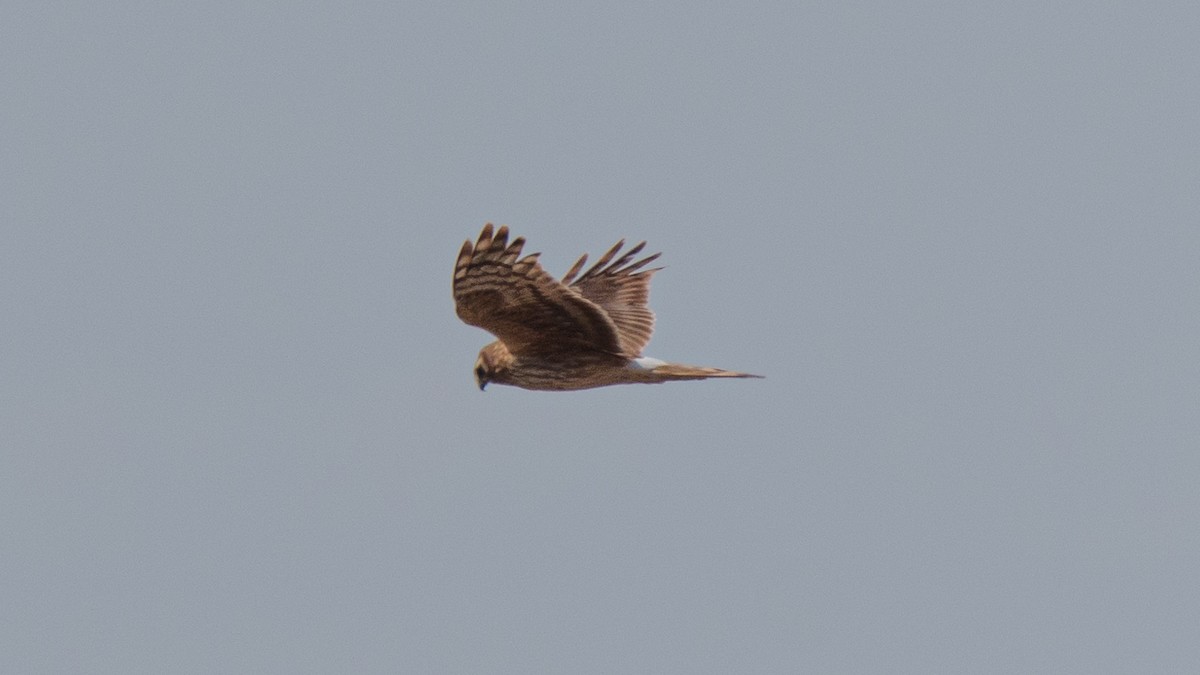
(238, 428)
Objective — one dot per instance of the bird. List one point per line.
(579, 332)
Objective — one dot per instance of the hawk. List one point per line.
(575, 333)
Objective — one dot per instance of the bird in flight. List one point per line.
(576, 333)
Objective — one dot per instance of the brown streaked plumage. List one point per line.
(576, 333)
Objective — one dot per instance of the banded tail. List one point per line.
(662, 371)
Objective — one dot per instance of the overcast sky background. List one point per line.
(238, 428)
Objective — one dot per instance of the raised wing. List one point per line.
(622, 291)
(516, 300)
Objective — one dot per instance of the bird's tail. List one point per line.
(666, 372)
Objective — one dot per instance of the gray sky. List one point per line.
(238, 428)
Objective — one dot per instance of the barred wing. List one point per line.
(516, 300)
(622, 291)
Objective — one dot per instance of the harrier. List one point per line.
(576, 333)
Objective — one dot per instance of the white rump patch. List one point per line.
(647, 363)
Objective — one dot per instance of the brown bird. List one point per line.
(561, 335)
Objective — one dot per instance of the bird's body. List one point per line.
(561, 335)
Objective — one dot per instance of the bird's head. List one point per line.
(490, 364)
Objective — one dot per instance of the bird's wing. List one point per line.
(516, 300)
(622, 289)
